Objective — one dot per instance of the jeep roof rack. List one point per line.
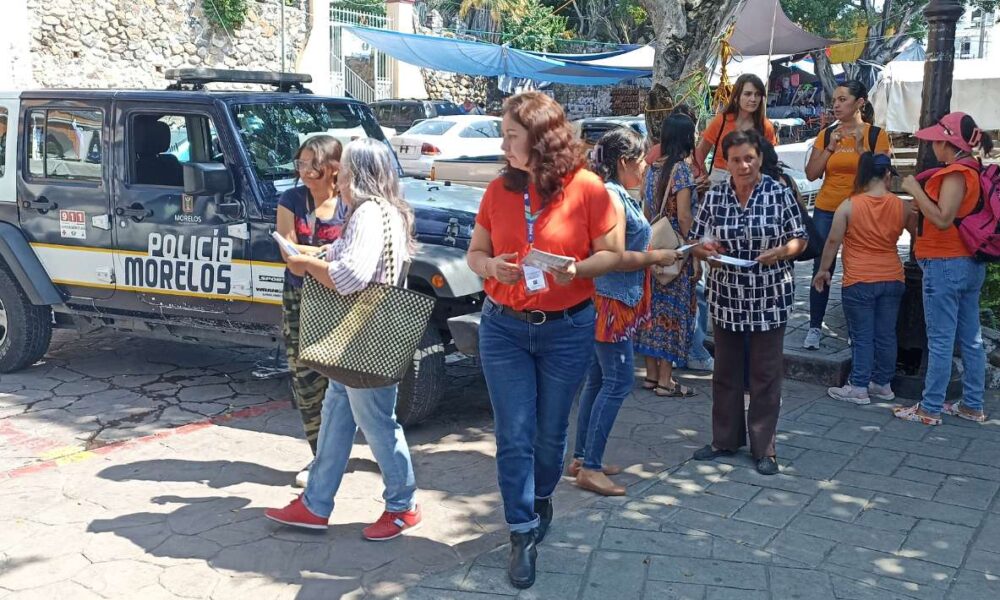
(195, 79)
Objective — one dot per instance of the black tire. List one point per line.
(25, 329)
(422, 388)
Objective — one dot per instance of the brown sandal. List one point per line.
(677, 391)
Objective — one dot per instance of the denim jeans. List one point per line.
(823, 219)
(697, 351)
(609, 382)
(533, 372)
(951, 311)
(871, 310)
(374, 411)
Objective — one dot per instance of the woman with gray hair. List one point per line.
(369, 184)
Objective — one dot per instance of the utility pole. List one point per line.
(281, 3)
(982, 32)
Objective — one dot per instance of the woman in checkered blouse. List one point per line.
(754, 218)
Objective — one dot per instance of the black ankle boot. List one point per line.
(523, 554)
(544, 510)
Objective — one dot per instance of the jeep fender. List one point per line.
(26, 268)
(448, 262)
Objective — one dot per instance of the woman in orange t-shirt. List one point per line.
(536, 336)
(835, 158)
(869, 224)
(747, 109)
(952, 279)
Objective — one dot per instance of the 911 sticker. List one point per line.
(73, 224)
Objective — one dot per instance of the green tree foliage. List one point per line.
(229, 15)
(615, 21)
(524, 24)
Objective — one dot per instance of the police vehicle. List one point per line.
(151, 212)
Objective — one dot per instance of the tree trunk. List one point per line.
(824, 71)
(686, 35)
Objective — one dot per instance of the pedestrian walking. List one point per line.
(835, 158)
(667, 339)
(536, 337)
(953, 279)
(622, 301)
(755, 221)
(369, 184)
(869, 225)
(747, 109)
(311, 216)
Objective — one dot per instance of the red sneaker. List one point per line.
(392, 524)
(297, 515)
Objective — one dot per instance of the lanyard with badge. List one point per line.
(534, 277)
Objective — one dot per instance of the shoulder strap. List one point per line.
(873, 133)
(390, 262)
(828, 132)
(718, 142)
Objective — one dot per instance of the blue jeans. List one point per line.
(871, 310)
(533, 373)
(697, 351)
(951, 311)
(610, 381)
(823, 220)
(374, 411)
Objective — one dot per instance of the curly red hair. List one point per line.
(555, 150)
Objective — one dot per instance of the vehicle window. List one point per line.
(65, 144)
(443, 109)
(593, 133)
(3, 141)
(272, 133)
(160, 144)
(411, 112)
(482, 129)
(431, 127)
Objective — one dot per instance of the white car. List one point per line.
(446, 137)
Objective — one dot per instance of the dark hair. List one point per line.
(733, 108)
(676, 144)
(859, 91)
(555, 150)
(686, 110)
(615, 145)
(871, 169)
(969, 128)
(770, 164)
(738, 138)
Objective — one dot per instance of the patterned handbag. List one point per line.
(366, 339)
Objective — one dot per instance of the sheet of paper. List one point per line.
(735, 262)
(285, 244)
(685, 249)
(546, 260)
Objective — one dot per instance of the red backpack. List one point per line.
(980, 229)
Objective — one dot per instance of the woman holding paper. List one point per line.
(310, 217)
(752, 229)
(623, 301)
(536, 337)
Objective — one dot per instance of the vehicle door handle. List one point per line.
(41, 205)
(137, 212)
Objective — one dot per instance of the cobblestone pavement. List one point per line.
(114, 484)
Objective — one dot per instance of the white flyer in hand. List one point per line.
(736, 262)
(547, 261)
(687, 248)
(287, 246)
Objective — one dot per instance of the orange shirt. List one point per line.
(721, 126)
(869, 251)
(582, 213)
(842, 168)
(946, 243)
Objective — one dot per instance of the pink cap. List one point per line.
(949, 129)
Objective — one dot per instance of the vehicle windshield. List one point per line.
(431, 127)
(272, 133)
(443, 109)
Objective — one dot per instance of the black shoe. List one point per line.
(523, 555)
(767, 466)
(710, 453)
(544, 510)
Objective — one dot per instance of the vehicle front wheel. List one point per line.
(422, 388)
(25, 329)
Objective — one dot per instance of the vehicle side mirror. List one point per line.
(207, 179)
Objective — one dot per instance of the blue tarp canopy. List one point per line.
(477, 58)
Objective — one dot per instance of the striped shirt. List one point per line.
(356, 258)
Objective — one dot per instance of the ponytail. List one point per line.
(975, 136)
(871, 167)
(614, 146)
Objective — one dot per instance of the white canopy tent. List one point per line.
(897, 96)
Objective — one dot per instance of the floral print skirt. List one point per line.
(668, 334)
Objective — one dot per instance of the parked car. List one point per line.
(446, 137)
(592, 129)
(400, 115)
(151, 212)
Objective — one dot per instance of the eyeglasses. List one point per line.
(302, 165)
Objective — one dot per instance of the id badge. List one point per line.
(534, 279)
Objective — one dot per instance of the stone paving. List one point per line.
(866, 507)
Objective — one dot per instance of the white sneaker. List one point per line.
(813, 338)
(701, 365)
(302, 477)
(881, 392)
(849, 393)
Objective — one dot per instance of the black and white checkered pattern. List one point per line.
(755, 298)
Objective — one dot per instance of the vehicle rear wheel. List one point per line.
(25, 329)
(422, 388)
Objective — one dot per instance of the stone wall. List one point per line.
(456, 87)
(130, 43)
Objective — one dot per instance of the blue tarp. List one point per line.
(477, 58)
